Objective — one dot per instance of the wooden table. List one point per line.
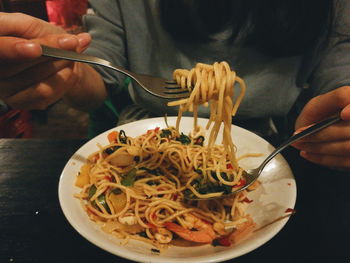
(34, 229)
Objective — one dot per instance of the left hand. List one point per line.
(330, 146)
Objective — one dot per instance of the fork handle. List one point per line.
(74, 56)
(314, 128)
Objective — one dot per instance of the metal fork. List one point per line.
(159, 87)
(252, 175)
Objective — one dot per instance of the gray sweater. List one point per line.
(128, 33)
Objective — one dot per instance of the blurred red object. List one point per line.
(16, 124)
(66, 13)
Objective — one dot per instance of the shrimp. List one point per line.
(242, 231)
(203, 234)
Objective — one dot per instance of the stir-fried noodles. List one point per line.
(141, 188)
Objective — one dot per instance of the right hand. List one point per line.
(27, 80)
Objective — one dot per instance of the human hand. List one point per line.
(330, 146)
(27, 80)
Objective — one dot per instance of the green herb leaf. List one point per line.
(199, 171)
(165, 133)
(184, 139)
(117, 191)
(122, 137)
(142, 234)
(152, 183)
(102, 201)
(92, 191)
(111, 149)
(188, 194)
(129, 178)
(156, 172)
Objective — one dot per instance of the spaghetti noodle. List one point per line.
(141, 188)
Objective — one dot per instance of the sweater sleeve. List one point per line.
(332, 69)
(105, 25)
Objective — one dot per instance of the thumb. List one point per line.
(325, 105)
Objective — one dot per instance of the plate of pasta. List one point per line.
(199, 231)
(160, 190)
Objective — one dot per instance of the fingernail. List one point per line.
(296, 144)
(303, 154)
(84, 40)
(345, 113)
(302, 129)
(67, 40)
(25, 47)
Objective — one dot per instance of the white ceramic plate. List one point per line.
(270, 200)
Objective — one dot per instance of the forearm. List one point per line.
(88, 91)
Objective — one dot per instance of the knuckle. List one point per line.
(44, 92)
(342, 94)
(33, 27)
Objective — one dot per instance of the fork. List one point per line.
(252, 175)
(159, 87)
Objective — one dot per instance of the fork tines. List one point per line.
(171, 82)
(174, 88)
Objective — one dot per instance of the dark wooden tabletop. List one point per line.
(34, 229)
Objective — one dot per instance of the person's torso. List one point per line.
(271, 82)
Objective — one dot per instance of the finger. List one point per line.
(31, 76)
(345, 113)
(25, 26)
(17, 29)
(76, 43)
(84, 41)
(341, 148)
(40, 96)
(324, 106)
(336, 132)
(11, 69)
(16, 49)
(64, 41)
(327, 160)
